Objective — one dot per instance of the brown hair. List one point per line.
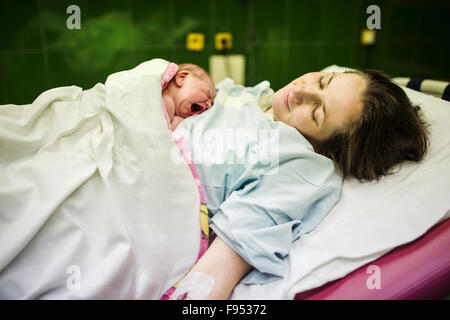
(389, 131)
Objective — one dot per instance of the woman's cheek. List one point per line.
(300, 119)
(276, 101)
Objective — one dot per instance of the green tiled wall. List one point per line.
(281, 39)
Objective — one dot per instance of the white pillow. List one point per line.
(371, 218)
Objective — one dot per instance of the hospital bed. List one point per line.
(383, 240)
(418, 270)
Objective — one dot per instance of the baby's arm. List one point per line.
(222, 268)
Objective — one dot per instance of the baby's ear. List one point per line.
(180, 78)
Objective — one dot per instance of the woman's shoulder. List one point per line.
(298, 157)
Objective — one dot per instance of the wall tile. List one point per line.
(305, 58)
(54, 24)
(192, 17)
(19, 26)
(154, 24)
(280, 39)
(343, 54)
(271, 25)
(70, 67)
(341, 21)
(234, 17)
(272, 65)
(145, 54)
(26, 76)
(104, 62)
(306, 21)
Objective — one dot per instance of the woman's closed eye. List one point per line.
(313, 116)
(320, 82)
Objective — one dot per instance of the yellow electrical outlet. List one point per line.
(223, 41)
(368, 37)
(195, 41)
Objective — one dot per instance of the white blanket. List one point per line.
(91, 205)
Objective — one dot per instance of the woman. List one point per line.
(361, 120)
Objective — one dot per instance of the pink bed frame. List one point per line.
(417, 270)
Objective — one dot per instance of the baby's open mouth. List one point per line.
(196, 108)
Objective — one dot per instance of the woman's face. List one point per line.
(319, 103)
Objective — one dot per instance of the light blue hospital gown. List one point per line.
(264, 185)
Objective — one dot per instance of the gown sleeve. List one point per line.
(263, 216)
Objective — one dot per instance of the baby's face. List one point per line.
(195, 96)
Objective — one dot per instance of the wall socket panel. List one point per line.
(227, 66)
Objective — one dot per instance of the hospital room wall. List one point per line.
(279, 39)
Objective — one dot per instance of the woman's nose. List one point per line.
(304, 94)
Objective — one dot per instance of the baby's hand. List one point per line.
(176, 121)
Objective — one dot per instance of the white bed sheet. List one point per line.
(92, 205)
(371, 218)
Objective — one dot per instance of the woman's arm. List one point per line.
(224, 265)
(220, 267)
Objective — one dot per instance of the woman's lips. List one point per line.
(286, 99)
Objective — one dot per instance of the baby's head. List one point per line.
(191, 90)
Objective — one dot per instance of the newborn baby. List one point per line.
(190, 91)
